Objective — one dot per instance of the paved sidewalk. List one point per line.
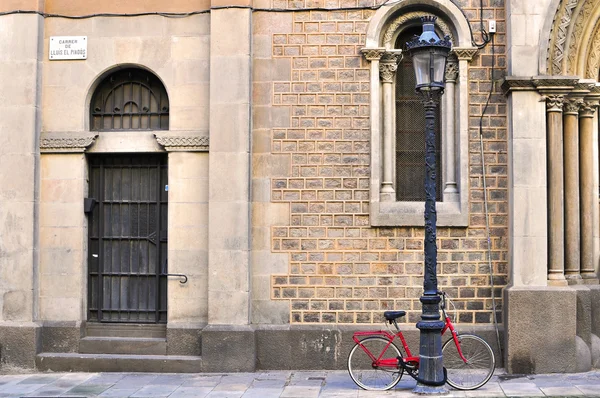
(301, 384)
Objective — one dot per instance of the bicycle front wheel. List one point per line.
(477, 370)
(370, 375)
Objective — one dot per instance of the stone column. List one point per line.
(229, 165)
(21, 50)
(449, 131)
(387, 69)
(587, 193)
(556, 264)
(571, 187)
(373, 55)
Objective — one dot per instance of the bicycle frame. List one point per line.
(393, 362)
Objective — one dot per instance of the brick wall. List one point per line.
(341, 270)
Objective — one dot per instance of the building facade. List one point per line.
(196, 186)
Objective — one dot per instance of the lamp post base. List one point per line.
(422, 389)
(431, 366)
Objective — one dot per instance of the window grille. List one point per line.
(410, 132)
(130, 99)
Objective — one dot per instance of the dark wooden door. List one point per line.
(127, 245)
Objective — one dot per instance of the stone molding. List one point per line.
(583, 15)
(66, 142)
(372, 54)
(562, 21)
(413, 16)
(186, 143)
(464, 52)
(513, 83)
(555, 84)
(593, 61)
(569, 40)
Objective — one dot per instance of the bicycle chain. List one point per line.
(411, 373)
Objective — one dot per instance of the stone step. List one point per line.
(75, 362)
(123, 345)
(125, 330)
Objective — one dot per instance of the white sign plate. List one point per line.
(68, 47)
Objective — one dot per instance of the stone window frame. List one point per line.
(383, 30)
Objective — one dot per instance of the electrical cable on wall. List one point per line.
(485, 199)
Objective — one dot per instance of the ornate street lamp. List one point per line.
(429, 54)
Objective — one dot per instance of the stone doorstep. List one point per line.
(123, 345)
(125, 330)
(74, 362)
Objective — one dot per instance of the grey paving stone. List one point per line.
(47, 391)
(170, 379)
(225, 394)
(262, 392)
(119, 392)
(102, 378)
(301, 391)
(135, 381)
(202, 381)
(155, 391)
(562, 391)
(189, 392)
(89, 389)
(268, 383)
(527, 389)
(43, 379)
(590, 389)
(21, 389)
(225, 386)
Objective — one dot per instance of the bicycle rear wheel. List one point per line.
(479, 367)
(366, 373)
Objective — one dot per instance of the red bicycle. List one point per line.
(376, 362)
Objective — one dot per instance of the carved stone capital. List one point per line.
(572, 105)
(388, 66)
(554, 103)
(465, 53)
(66, 142)
(372, 54)
(588, 108)
(183, 143)
(451, 70)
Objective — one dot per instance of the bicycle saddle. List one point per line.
(391, 315)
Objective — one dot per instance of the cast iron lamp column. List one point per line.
(429, 54)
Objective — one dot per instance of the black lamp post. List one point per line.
(429, 54)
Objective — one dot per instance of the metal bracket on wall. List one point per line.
(184, 277)
(88, 205)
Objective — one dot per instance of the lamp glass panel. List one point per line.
(439, 67)
(421, 64)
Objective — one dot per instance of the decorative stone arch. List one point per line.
(451, 21)
(382, 33)
(570, 52)
(139, 140)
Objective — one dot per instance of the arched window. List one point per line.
(410, 131)
(130, 99)
(398, 122)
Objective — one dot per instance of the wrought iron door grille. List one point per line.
(130, 99)
(127, 252)
(410, 133)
